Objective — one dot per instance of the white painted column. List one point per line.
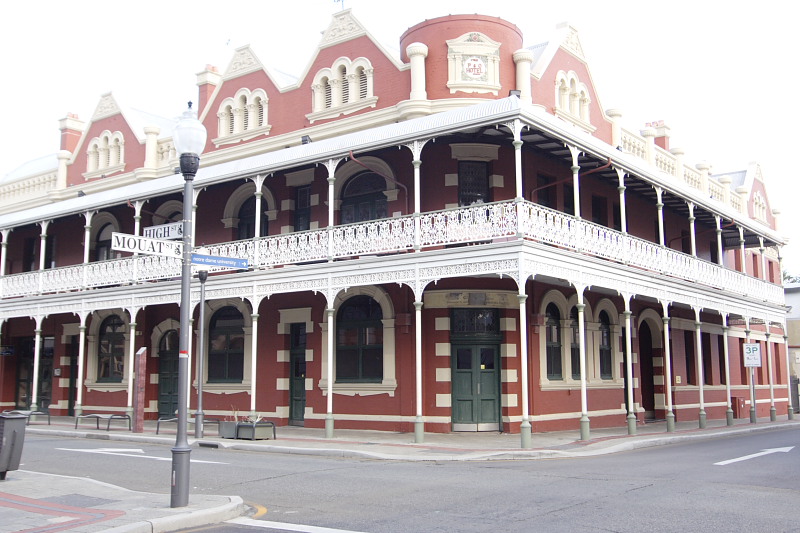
(752, 377)
(37, 348)
(525, 426)
(253, 362)
(4, 251)
(762, 251)
(259, 182)
(629, 368)
(725, 349)
(660, 207)
(329, 312)
(331, 166)
(791, 406)
(43, 243)
(131, 357)
(576, 186)
(87, 244)
(419, 423)
(523, 58)
(772, 411)
(668, 373)
(742, 253)
(585, 422)
(700, 376)
(720, 256)
(622, 208)
(692, 236)
(417, 52)
(81, 366)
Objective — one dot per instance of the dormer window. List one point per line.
(573, 100)
(105, 155)
(344, 88)
(242, 117)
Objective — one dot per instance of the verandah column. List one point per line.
(4, 251)
(253, 360)
(772, 411)
(622, 208)
(87, 236)
(751, 375)
(699, 363)
(258, 180)
(660, 207)
(585, 423)
(725, 348)
(131, 358)
(419, 421)
(629, 366)
(329, 312)
(790, 406)
(576, 187)
(37, 348)
(692, 235)
(81, 365)
(525, 426)
(668, 370)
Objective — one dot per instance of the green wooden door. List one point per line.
(168, 374)
(476, 388)
(297, 377)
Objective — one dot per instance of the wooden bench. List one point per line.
(29, 414)
(107, 416)
(174, 420)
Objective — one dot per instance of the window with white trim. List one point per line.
(345, 87)
(106, 154)
(243, 116)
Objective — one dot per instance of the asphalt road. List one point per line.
(722, 485)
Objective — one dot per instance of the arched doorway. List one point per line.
(646, 383)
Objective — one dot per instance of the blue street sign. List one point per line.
(219, 261)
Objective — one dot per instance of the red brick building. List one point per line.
(458, 239)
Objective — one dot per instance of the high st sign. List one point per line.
(124, 242)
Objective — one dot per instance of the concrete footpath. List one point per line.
(36, 502)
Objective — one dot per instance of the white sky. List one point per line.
(717, 72)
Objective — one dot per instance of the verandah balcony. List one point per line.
(489, 222)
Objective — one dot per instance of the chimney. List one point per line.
(207, 81)
(662, 133)
(71, 130)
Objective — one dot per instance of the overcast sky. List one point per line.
(717, 72)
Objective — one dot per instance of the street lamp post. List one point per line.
(202, 275)
(189, 138)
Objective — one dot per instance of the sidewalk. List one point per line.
(37, 502)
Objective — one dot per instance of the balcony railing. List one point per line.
(477, 223)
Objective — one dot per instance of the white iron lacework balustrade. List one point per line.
(476, 224)
(469, 224)
(375, 236)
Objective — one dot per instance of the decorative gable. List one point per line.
(473, 62)
(244, 62)
(343, 27)
(106, 107)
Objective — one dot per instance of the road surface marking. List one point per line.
(124, 453)
(754, 455)
(286, 526)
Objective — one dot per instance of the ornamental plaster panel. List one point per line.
(343, 27)
(244, 61)
(106, 107)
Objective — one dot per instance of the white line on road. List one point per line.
(754, 455)
(124, 453)
(286, 526)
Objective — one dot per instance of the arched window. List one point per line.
(359, 341)
(363, 198)
(226, 346)
(575, 347)
(362, 83)
(102, 246)
(345, 85)
(326, 84)
(111, 350)
(553, 343)
(247, 220)
(606, 367)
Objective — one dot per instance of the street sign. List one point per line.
(752, 355)
(219, 261)
(170, 231)
(124, 242)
